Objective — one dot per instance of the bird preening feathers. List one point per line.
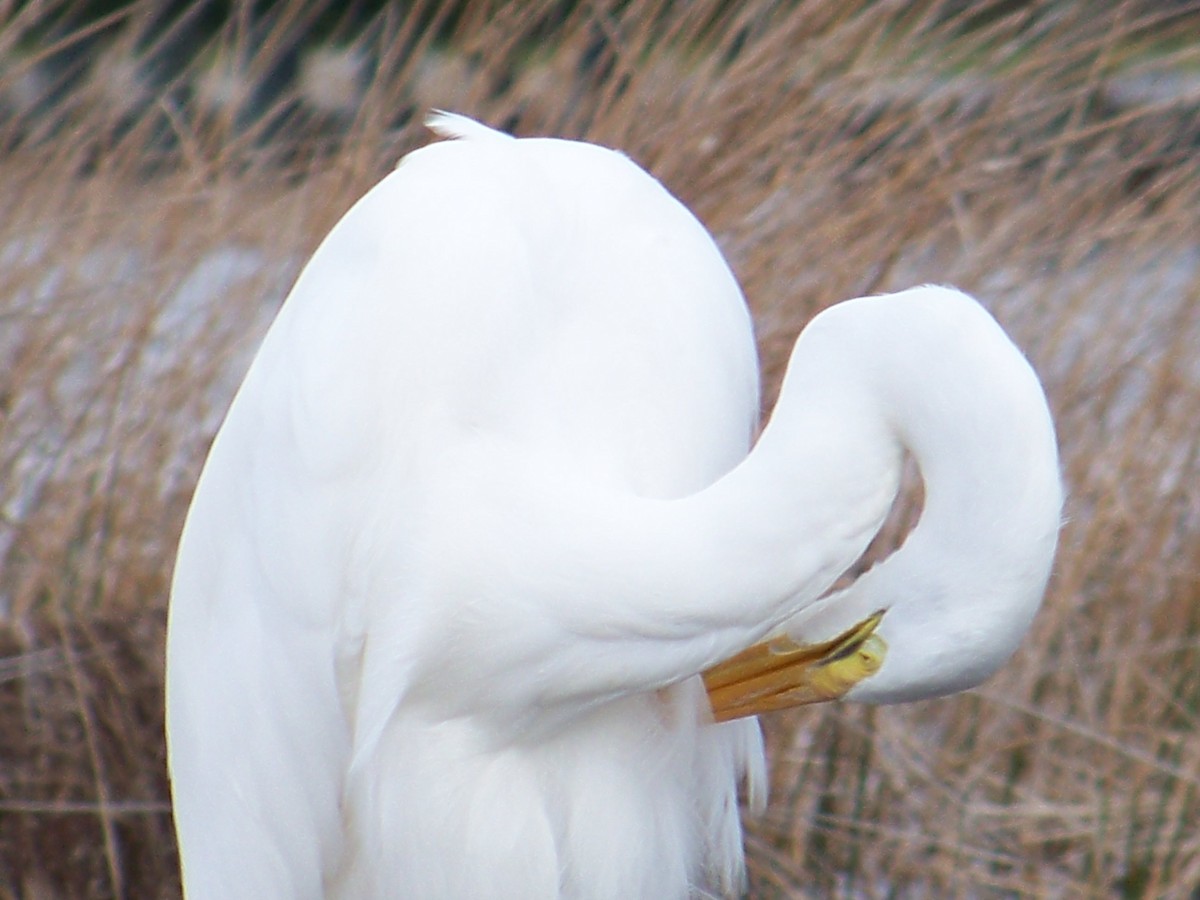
(483, 584)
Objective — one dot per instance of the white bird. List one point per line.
(484, 509)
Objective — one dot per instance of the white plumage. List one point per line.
(482, 511)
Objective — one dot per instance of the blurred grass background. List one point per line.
(165, 169)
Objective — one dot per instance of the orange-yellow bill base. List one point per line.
(780, 673)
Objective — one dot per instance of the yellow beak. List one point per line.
(780, 673)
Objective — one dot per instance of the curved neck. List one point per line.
(963, 588)
(652, 591)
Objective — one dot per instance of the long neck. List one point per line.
(660, 590)
(963, 588)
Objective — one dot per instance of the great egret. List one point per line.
(483, 511)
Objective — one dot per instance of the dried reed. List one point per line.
(164, 175)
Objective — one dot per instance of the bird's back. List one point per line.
(494, 314)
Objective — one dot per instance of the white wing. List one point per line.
(493, 311)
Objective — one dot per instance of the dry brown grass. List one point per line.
(835, 149)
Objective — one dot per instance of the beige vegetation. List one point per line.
(1042, 155)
